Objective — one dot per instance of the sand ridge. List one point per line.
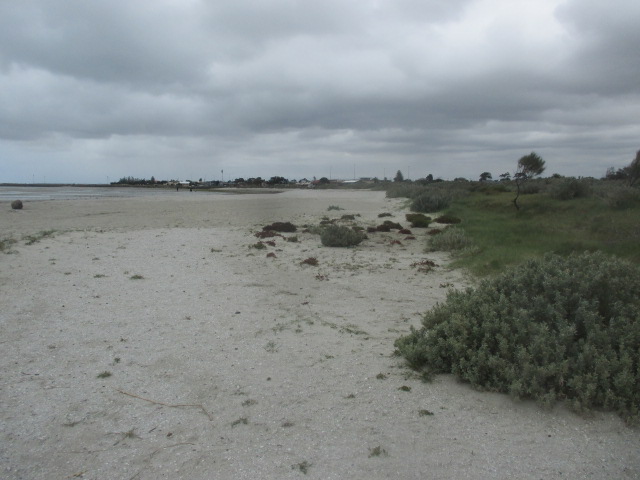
(227, 363)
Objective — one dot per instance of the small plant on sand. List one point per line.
(292, 239)
(418, 220)
(377, 452)
(258, 246)
(104, 374)
(334, 207)
(381, 215)
(136, 277)
(340, 236)
(302, 466)
(556, 328)
(240, 421)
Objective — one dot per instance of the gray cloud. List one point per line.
(297, 88)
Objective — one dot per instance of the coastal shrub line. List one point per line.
(556, 328)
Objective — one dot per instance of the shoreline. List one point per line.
(225, 362)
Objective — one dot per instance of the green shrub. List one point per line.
(431, 202)
(418, 220)
(551, 329)
(340, 236)
(449, 240)
(571, 188)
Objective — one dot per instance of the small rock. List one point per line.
(16, 204)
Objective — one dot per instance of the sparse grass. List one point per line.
(271, 346)
(249, 402)
(6, 244)
(381, 376)
(405, 388)
(35, 238)
(104, 374)
(99, 275)
(334, 207)
(136, 277)
(425, 413)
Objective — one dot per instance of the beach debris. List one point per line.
(280, 227)
(16, 204)
(424, 265)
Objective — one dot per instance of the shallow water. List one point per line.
(71, 192)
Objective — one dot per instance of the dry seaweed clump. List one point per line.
(340, 236)
(280, 227)
(556, 328)
(16, 205)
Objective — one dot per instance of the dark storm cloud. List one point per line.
(454, 86)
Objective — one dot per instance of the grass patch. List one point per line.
(6, 244)
(502, 236)
(136, 277)
(104, 374)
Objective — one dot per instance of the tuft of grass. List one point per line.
(425, 413)
(377, 452)
(313, 261)
(104, 374)
(240, 421)
(136, 277)
(334, 207)
(302, 466)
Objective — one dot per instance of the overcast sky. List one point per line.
(92, 91)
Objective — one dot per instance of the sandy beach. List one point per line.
(144, 339)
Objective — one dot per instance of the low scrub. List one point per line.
(340, 236)
(570, 188)
(555, 328)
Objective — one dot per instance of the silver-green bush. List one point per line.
(551, 329)
(340, 236)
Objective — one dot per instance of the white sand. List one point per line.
(229, 364)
